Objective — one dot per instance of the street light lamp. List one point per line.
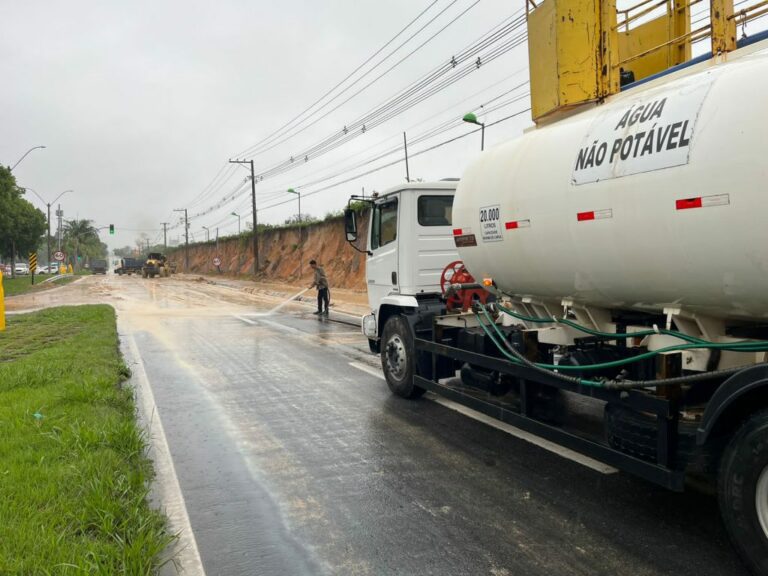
(25, 155)
(301, 233)
(470, 118)
(207, 233)
(238, 221)
(48, 205)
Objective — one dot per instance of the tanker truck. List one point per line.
(616, 258)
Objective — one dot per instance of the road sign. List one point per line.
(33, 264)
(217, 261)
(58, 256)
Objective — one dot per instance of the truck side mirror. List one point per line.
(350, 224)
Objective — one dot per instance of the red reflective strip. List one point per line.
(686, 203)
(510, 225)
(582, 216)
(457, 231)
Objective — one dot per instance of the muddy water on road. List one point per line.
(293, 461)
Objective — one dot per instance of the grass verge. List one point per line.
(23, 284)
(73, 470)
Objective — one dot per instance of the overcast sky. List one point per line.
(140, 104)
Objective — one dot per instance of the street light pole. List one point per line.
(255, 215)
(238, 221)
(186, 238)
(470, 118)
(301, 234)
(48, 206)
(25, 155)
(207, 233)
(165, 236)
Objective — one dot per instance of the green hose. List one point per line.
(520, 360)
(611, 335)
(748, 346)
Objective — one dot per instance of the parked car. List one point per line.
(21, 268)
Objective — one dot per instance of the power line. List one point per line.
(390, 107)
(388, 112)
(485, 40)
(381, 167)
(429, 133)
(371, 57)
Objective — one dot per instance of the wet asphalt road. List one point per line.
(291, 459)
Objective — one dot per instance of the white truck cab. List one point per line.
(409, 244)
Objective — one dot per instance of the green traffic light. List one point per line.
(112, 229)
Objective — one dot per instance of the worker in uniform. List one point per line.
(321, 282)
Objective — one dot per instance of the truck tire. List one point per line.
(742, 489)
(398, 358)
(144, 274)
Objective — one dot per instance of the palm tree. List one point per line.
(78, 232)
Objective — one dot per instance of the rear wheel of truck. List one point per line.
(742, 490)
(398, 358)
(144, 274)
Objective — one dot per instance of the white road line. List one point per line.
(246, 320)
(508, 428)
(168, 481)
(368, 370)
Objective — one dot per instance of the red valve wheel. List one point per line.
(457, 273)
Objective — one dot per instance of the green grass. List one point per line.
(73, 473)
(23, 284)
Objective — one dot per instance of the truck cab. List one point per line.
(409, 243)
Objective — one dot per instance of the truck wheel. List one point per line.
(397, 358)
(144, 274)
(742, 489)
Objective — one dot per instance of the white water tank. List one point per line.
(657, 198)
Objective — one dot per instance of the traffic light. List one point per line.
(112, 229)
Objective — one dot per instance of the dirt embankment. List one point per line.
(281, 250)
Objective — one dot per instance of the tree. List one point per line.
(29, 226)
(124, 252)
(21, 224)
(80, 234)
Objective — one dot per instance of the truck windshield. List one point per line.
(384, 229)
(435, 210)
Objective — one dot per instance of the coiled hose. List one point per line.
(513, 355)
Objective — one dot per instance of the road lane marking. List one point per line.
(508, 428)
(173, 498)
(246, 320)
(368, 370)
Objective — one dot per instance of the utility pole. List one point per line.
(405, 145)
(301, 233)
(186, 238)
(60, 215)
(48, 220)
(255, 217)
(165, 236)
